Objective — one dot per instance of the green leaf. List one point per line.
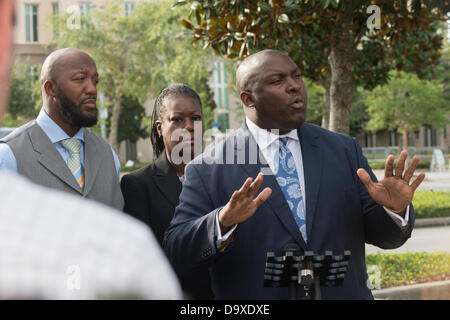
(264, 6)
(178, 4)
(283, 18)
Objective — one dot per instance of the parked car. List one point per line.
(5, 131)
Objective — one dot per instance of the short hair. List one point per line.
(246, 75)
(172, 91)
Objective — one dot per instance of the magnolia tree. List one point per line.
(341, 44)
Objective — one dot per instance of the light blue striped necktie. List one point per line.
(287, 178)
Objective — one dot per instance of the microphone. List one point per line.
(292, 249)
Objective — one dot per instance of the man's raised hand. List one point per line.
(243, 204)
(394, 191)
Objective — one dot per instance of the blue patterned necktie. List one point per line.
(287, 178)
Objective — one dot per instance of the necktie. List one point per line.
(73, 145)
(287, 178)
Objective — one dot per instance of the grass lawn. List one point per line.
(392, 270)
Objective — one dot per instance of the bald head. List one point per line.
(272, 91)
(67, 58)
(250, 69)
(69, 80)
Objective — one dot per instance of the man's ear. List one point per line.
(158, 127)
(50, 88)
(247, 99)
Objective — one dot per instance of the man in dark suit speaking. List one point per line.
(317, 191)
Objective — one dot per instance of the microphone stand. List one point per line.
(309, 270)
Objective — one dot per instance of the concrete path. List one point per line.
(426, 239)
(422, 240)
(433, 180)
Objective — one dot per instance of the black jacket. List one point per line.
(151, 195)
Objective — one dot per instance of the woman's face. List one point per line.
(181, 126)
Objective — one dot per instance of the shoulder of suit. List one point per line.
(141, 173)
(99, 142)
(215, 152)
(88, 133)
(325, 133)
(19, 131)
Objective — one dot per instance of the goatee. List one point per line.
(73, 113)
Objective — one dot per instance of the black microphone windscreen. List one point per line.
(291, 247)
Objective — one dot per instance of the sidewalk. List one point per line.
(428, 239)
(433, 180)
(429, 235)
(439, 290)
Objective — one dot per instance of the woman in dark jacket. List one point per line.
(151, 193)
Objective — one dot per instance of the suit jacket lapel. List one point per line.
(92, 161)
(166, 179)
(312, 168)
(50, 158)
(276, 201)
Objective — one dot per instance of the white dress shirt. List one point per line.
(268, 144)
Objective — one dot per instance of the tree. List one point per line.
(136, 55)
(25, 95)
(326, 35)
(443, 69)
(130, 121)
(315, 98)
(405, 103)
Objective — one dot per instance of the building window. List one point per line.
(219, 84)
(392, 139)
(131, 150)
(84, 9)
(430, 136)
(129, 6)
(223, 121)
(84, 13)
(33, 72)
(31, 23)
(55, 11)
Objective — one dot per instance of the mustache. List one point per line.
(93, 98)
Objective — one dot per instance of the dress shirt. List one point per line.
(268, 144)
(56, 135)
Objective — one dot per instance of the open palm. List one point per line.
(243, 203)
(394, 191)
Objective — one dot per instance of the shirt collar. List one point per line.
(53, 131)
(265, 138)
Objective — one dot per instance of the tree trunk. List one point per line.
(404, 137)
(113, 135)
(326, 103)
(341, 87)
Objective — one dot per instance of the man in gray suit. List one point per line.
(89, 251)
(57, 150)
